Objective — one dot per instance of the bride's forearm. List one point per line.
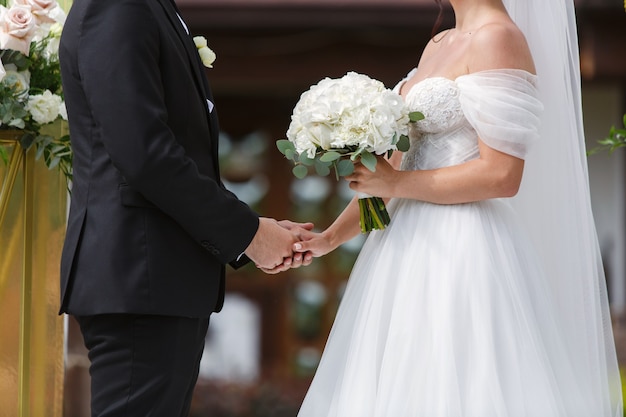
(345, 227)
(472, 181)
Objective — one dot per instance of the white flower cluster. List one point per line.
(46, 107)
(24, 22)
(354, 110)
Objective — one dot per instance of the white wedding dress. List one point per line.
(447, 312)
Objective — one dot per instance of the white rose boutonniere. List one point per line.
(206, 54)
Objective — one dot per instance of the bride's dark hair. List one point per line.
(439, 19)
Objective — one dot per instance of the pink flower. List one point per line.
(17, 27)
(40, 9)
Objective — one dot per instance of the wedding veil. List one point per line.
(554, 202)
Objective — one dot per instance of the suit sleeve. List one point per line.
(119, 62)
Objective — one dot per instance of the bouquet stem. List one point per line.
(373, 214)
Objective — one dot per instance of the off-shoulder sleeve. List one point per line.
(502, 106)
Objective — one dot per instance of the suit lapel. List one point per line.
(197, 68)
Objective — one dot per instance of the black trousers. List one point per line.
(143, 365)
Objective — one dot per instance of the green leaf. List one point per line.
(330, 156)
(40, 150)
(357, 154)
(403, 144)
(300, 171)
(53, 163)
(290, 154)
(624, 120)
(305, 160)
(27, 140)
(345, 167)
(4, 156)
(322, 168)
(416, 116)
(284, 145)
(369, 161)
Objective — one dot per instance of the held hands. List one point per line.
(279, 246)
(271, 248)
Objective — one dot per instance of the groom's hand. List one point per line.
(271, 244)
(297, 259)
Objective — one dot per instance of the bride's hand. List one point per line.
(379, 183)
(317, 244)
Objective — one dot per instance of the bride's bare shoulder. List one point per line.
(435, 43)
(499, 45)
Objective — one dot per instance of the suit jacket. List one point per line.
(150, 226)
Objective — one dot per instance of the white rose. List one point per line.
(41, 9)
(3, 72)
(17, 27)
(44, 108)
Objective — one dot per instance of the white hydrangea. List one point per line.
(354, 110)
(44, 108)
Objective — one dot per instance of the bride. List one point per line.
(485, 295)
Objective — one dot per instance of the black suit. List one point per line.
(151, 225)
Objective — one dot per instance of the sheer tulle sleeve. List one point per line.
(503, 108)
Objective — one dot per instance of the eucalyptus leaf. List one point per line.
(305, 160)
(53, 163)
(322, 169)
(27, 140)
(369, 160)
(284, 145)
(403, 144)
(356, 154)
(416, 116)
(290, 154)
(300, 171)
(330, 156)
(40, 151)
(345, 167)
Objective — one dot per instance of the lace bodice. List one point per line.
(444, 137)
(498, 106)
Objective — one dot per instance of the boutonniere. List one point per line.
(206, 54)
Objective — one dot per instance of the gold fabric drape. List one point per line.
(32, 227)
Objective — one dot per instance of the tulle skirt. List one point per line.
(446, 314)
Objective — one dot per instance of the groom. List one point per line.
(151, 225)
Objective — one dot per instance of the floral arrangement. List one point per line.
(31, 96)
(338, 122)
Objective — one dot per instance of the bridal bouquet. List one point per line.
(341, 121)
(30, 79)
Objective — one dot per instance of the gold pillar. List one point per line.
(32, 228)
